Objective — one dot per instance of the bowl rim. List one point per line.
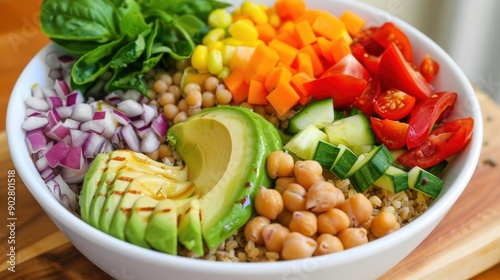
(57, 211)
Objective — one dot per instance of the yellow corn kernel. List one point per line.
(215, 64)
(236, 12)
(213, 35)
(252, 43)
(219, 45)
(232, 42)
(199, 58)
(227, 52)
(219, 18)
(224, 73)
(274, 19)
(243, 30)
(256, 13)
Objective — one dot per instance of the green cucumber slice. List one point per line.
(424, 181)
(326, 154)
(394, 180)
(304, 143)
(369, 168)
(318, 113)
(344, 162)
(354, 131)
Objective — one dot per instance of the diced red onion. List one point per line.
(130, 108)
(42, 164)
(150, 143)
(141, 132)
(149, 113)
(73, 176)
(74, 97)
(82, 112)
(113, 98)
(71, 123)
(120, 117)
(93, 145)
(35, 122)
(37, 104)
(160, 125)
(66, 61)
(34, 113)
(53, 187)
(48, 92)
(78, 137)
(131, 138)
(56, 153)
(47, 173)
(142, 99)
(92, 126)
(35, 140)
(57, 132)
(36, 91)
(73, 159)
(52, 60)
(55, 101)
(106, 120)
(53, 117)
(132, 94)
(66, 191)
(61, 87)
(138, 123)
(64, 111)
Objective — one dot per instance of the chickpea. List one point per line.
(223, 96)
(284, 217)
(282, 182)
(304, 222)
(180, 117)
(176, 90)
(323, 196)
(192, 111)
(191, 86)
(194, 98)
(294, 197)
(153, 155)
(211, 84)
(160, 86)
(358, 208)
(166, 78)
(177, 78)
(274, 120)
(279, 164)
(208, 99)
(298, 246)
(268, 203)
(328, 244)
(333, 221)
(308, 172)
(273, 236)
(352, 237)
(384, 223)
(164, 151)
(167, 98)
(253, 229)
(170, 111)
(259, 109)
(182, 105)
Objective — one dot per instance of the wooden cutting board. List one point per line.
(465, 243)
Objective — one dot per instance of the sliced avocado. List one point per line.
(135, 230)
(189, 227)
(161, 230)
(225, 149)
(92, 180)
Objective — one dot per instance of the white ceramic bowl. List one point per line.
(126, 261)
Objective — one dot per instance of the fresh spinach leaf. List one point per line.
(76, 47)
(129, 78)
(82, 20)
(194, 26)
(129, 53)
(133, 24)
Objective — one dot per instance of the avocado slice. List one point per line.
(135, 230)
(92, 181)
(161, 230)
(225, 150)
(189, 227)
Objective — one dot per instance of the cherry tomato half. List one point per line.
(445, 141)
(390, 133)
(394, 105)
(429, 68)
(366, 100)
(388, 33)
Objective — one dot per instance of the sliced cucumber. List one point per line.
(304, 143)
(325, 154)
(344, 162)
(424, 181)
(354, 131)
(369, 168)
(318, 113)
(396, 154)
(438, 169)
(394, 180)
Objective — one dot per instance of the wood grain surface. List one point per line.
(465, 245)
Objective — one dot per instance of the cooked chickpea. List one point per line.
(282, 182)
(298, 246)
(170, 111)
(328, 244)
(253, 229)
(176, 78)
(268, 203)
(294, 197)
(323, 196)
(352, 237)
(273, 235)
(358, 208)
(333, 221)
(211, 84)
(153, 155)
(284, 217)
(167, 98)
(192, 111)
(166, 78)
(176, 90)
(223, 96)
(279, 164)
(191, 86)
(164, 151)
(182, 105)
(304, 222)
(384, 223)
(160, 86)
(180, 117)
(308, 172)
(208, 99)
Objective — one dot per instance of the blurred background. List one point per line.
(466, 29)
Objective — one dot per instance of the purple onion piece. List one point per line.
(36, 140)
(130, 108)
(37, 104)
(56, 153)
(93, 145)
(73, 159)
(160, 126)
(131, 138)
(92, 126)
(82, 112)
(62, 89)
(150, 143)
(78, 137)
(35, 122)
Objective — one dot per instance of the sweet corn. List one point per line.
(214, 35)
(214, 60)
(244, 30)
(256, 13)
(227, 53)
(215, 45)
(224, 73)
(274, 19)
(219, 18)
(232, 42)
(199, 58)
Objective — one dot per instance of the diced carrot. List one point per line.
(234, 80)
(316, 63)
(263, 60)
(286, 52)
(281, 64)
(240, 58)
(325, 47)
(241, 94)
(276, 77)
(327, 25)
(353, 22)
(287, 27)
(298, 80)
(283, 98)
(304, 100)
(266, 32)
(340, 49)
(290, 9)
(305, 33)
(304, 64)
(309, 15)
(289, 39)
(257, 93)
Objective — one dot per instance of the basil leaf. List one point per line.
(82, 20)
(128, 53)
(151, 39)
(94, 63)
(133, 24)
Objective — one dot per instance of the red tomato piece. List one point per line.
(390, 133)
(348, 65)
(395, 72)
(429, 68)
(443, 142)
(370, 62)
(365, 38)
(388, 34)
(427, 113)
(365, 101)
(394, 105)
(344, 89)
